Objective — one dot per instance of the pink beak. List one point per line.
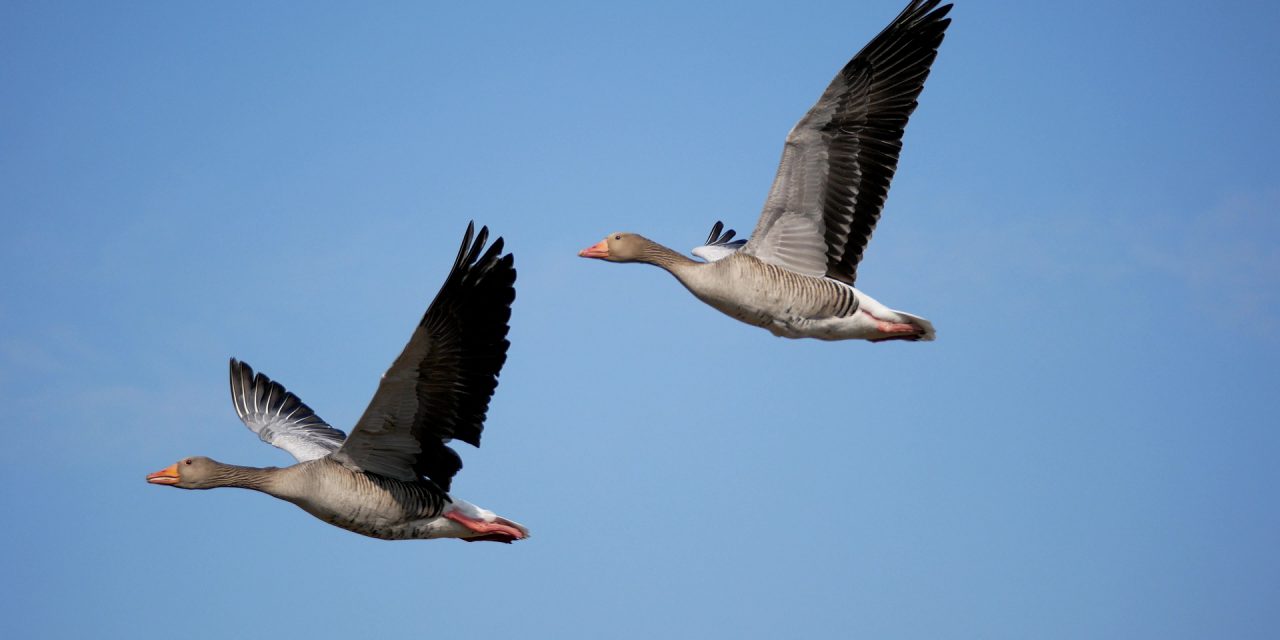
(597, 250)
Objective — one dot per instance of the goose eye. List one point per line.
(618, 237)
(187, 461)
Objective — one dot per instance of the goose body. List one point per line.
(792, 305)
(390, 478)
(371, 504)
(795, 276)
(787, 304)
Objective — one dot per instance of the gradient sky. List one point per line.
(1086, 209)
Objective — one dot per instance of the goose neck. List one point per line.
(256, 478)
(660, 256)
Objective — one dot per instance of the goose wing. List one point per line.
(718, 245)
(439, 387)
(280, 418)
(839, 159)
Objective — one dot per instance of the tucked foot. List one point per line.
(896, 331)
(896, 327)
(500, 530)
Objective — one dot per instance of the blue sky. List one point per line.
(1086, 209)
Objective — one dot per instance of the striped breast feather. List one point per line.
(280, 418)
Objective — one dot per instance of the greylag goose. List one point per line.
(795, 275)
(390, 478)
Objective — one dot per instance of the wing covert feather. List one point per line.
(838, 161)
(279, 417)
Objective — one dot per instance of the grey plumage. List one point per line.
(840, 157)
(775, 292)
(795, 275)
(390, 478)
(278, 417)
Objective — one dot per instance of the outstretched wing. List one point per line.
(839, 159)
(718, 246)
(279, 417)
(439, 387)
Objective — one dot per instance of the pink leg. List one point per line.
(894, 330)
(894, 327)
(500, 530)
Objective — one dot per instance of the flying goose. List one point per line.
(390, 478)
(795, 275)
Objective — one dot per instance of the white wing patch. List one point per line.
(280, 418)
(713, 252)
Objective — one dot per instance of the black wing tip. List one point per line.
(921, 17)
(472, 252)
(235, 370)
(929, 7)
(927, 14)
(941, 12)
(242, 375)
(477, 295)
(716, 238)
(478, 267)
(715, 232)
(247, 383)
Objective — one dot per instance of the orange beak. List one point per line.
(597, 250)
(167, 475)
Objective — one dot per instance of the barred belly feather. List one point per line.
(367, 504)
(768, 296)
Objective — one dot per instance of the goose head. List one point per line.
(196, 472)
(618, 247)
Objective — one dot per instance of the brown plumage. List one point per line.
(795, 275)
(390, 478)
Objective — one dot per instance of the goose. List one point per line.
(795, 275)
(390, 478)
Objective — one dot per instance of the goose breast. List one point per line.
(365, 503)
(767, 296)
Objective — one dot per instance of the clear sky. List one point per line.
(1086, 209)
